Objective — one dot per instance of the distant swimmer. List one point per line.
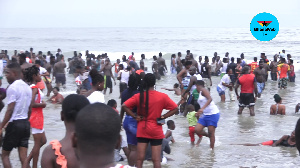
(176, 89)
(285, 140)
(277, 108)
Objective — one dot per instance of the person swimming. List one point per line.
(176, 89)
(285, 140)
(277, 108)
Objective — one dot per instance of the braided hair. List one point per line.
(148, 81)
(29, 72)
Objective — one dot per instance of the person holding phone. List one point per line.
(150, 104)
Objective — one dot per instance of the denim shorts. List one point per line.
(209, 120)
(220, 91)
(130, 126)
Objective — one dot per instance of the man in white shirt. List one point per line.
(225, 83)
(123, 76)
(17, 132)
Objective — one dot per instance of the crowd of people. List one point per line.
(141, 113)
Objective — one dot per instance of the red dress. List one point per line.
(37, 118)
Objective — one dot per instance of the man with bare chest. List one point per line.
(273, 68)
(162, 68)
(106, 68)
(260, 73)
(59, 72)
(23, 63)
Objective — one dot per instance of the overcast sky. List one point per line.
(142, 13)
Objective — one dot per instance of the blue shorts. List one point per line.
(209, 120)
(220, 91)
(260, 87)
(185, 87)
(130, 126)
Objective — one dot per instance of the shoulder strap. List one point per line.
(61, 159)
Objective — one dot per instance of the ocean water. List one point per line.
(232, 128)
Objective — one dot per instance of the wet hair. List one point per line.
(79, 67)
(238, 60)
(277, 98)
(111, 102)
(176, 85)
(148, 81)
(227, 70)
(179, 53)
(90, 138)
(51, 57)
(29, 72)
(133, 82)
(255, 59)
(190, 108)
(71, 105)
(187, 63)
(121, 66)
(93, 72)
(15, 67)
(57, 88)
(245, 69)
(124, 58)
(97, 78)
(22, 56)
(206, 58)
(173, 56)
(200, 82)
(242, 55)
(38, 62)
(232, 59)
(160, 54)
(291, 61)
(154, 57)
(170, 123)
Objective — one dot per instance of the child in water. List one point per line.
(171, 127)
(175, 88)
(192, 119)
(113, 104)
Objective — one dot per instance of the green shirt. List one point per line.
(195, 94)
(192, 119)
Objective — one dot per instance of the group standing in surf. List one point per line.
(30, 75)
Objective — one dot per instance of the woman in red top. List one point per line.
(149, 111)
(32, 76)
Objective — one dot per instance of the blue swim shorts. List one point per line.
(220, 91)
(209, 120)
(260, 87)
